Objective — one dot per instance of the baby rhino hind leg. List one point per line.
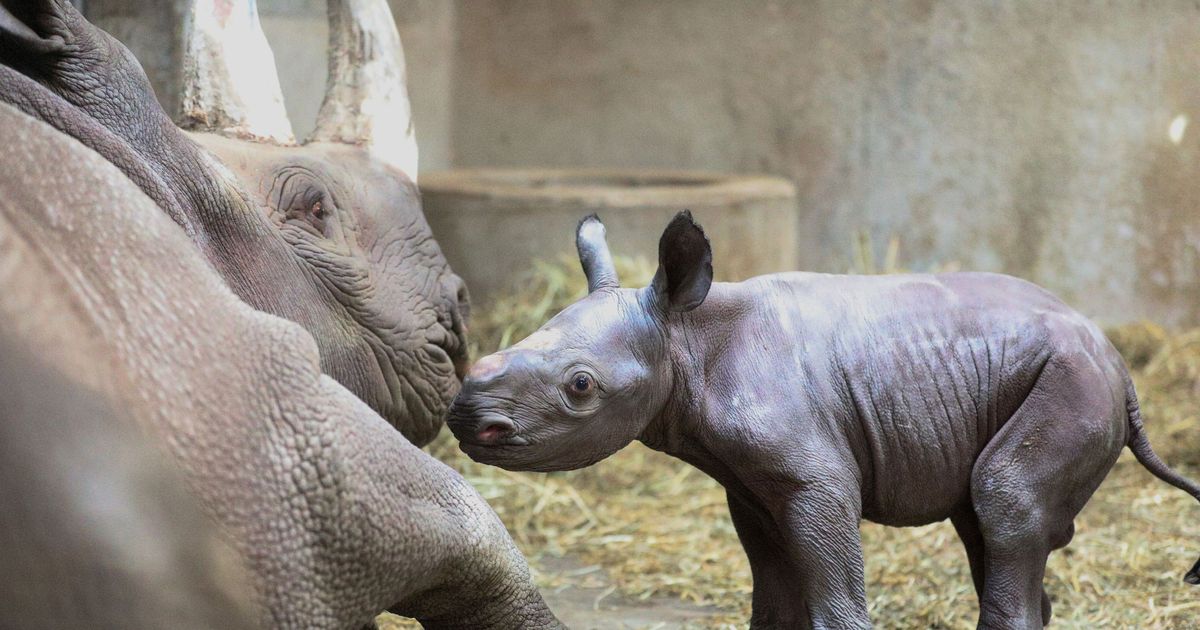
(967, 526)
(1033, 478)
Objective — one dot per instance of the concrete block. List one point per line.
(493, 224)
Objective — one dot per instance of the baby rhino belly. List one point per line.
(919, 487)
(921, 466)
(925, 402)
(925, 411)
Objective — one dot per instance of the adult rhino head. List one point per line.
(329, 234)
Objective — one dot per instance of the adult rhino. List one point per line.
(334, 514)
(329, 235)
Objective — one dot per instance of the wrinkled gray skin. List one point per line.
(334, 515)
(820, 400)
(90, 507)
(323, 235)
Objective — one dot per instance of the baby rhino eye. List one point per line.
(581, 383)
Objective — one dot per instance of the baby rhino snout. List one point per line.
(472, 418)
(493, 429)
(481, 428)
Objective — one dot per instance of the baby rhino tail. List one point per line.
(1140, 445)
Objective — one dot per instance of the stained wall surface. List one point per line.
(1024, 137)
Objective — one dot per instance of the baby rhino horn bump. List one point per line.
(488, 367)
(594, 255)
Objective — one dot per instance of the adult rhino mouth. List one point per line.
(450, 347)
(419, 383)
(420, 360)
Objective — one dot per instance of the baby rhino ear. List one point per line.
(684, 265)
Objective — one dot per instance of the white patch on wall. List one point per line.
(1177, 129)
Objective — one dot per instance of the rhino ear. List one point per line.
(593, 254)
(684, 265)
(19, 25)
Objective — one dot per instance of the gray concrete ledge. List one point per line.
(493, 224)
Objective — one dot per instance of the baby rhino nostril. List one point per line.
(493, 431)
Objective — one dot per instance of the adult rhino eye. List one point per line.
(581, 383)
(314, 215)
(304, 202)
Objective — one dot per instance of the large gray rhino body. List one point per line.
(97, 529)
(335, 515)
(820, 400)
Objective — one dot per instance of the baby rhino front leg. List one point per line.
(775, 603)
(818, 526)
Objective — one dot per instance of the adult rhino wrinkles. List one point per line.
(98, 530)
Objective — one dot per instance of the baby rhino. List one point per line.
(820, 400)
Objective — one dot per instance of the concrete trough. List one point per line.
(493, 224)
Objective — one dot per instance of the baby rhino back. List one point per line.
(921, 372)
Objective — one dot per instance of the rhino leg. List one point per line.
(967, 526)
(1033, 478)
(819, 523)
(774, 603)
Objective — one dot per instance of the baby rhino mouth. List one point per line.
(481, 428)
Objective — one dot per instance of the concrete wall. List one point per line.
(151, 32)
(1023, 137)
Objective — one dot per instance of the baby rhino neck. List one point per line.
(742, 407)
(694, 425)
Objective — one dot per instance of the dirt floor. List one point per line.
(597, 603)
(642, 540)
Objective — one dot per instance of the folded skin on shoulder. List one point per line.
(98, 530)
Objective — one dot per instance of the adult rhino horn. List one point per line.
(230, 85)
(366, 98)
